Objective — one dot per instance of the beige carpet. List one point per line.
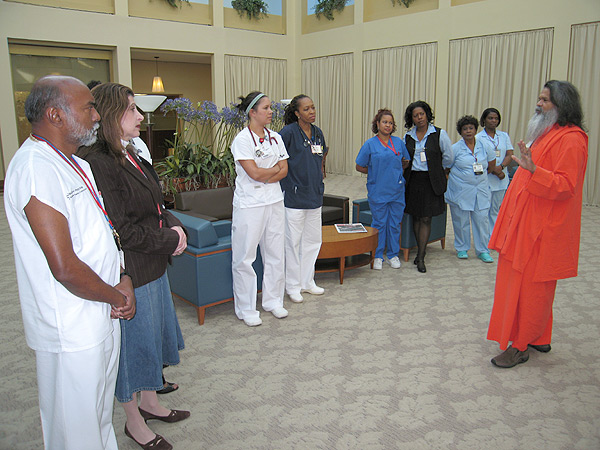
(388, 360)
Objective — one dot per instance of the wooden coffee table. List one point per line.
(341, 251)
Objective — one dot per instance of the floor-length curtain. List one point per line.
(584, 73)
(395, 77)
(244, 74)
(328, 81)
(505, 71)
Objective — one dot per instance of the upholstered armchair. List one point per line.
(361, 212)
(202, 276)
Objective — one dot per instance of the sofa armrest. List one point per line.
(201, 233)
(340, 202)
(358, 206)
(222, 228)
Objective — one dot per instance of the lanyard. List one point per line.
(261, 140)
(88, 184)
(134, 162)
(392, 148)
(493, 140)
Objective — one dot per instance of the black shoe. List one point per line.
(541, 348)
(510, 358)
(421, 266)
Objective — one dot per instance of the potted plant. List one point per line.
(201, 145)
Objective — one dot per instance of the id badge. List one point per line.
(316, 149)
(423, 156)
(478, 168)
(497, 153)
(122, 258)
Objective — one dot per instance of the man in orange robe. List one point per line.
(538, 226)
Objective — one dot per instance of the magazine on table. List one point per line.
(350, 228)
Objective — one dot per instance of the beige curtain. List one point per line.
(504, 71)
(584, 73)
(395, 77)
(328, 81)
(244, 74)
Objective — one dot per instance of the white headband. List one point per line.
(253, 102)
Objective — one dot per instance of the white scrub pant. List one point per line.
(76, 394)
(461, 221)
(495, 203)
(302, 244)
(250, 227)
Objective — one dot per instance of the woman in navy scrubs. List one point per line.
(303, 196)
(383, 158)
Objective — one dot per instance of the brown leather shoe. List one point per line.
(510, 358)
(541, 348)
(158, 443)
(176, 415)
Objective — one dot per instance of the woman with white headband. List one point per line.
(258, 212)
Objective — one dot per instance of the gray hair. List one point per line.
(565, 97)
(46, 92)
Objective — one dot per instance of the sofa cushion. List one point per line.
(331, 214)
(213, 203)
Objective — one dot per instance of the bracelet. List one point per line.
(502, 166)
(123, 274)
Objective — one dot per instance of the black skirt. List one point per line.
(421, 201)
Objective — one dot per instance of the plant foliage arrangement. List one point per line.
(253, 9)
(176, 3)
(402, 2)
(328, 7)
(202, 144)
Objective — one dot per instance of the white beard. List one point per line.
(539, 123)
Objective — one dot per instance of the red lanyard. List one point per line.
(134, 162)
(88, 184)
(392, 148)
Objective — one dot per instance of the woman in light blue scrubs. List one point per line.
(468, 192)
(383, 158)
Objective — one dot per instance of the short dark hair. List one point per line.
(408, 122)
(382, 112)
(45, 93)
(466, 120)
(566, 98)
(245, 101)
(486, 112)
(289, 115)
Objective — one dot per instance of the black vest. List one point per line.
(437, 176)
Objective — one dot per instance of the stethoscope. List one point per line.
(261, 140)
(307, 142)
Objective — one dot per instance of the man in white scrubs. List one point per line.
(70, 282)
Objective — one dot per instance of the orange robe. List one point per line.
(537, 236)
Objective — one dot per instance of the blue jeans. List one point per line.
(149, 340)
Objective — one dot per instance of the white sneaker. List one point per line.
(315, 290)
(395, 262)
(280, 313)
(296, 298)
(253, 321)
(377, 264)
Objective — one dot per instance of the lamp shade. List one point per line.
(149, 103)
(157, 84)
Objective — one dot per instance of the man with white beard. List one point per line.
(67, 262)
(538, 226)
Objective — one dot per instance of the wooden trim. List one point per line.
(200, 255)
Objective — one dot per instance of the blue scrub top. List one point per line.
(465, 189)
(499, 145)
(303, 186)
(385, 179)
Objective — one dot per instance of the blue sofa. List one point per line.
(202, 276)
(361, 212)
